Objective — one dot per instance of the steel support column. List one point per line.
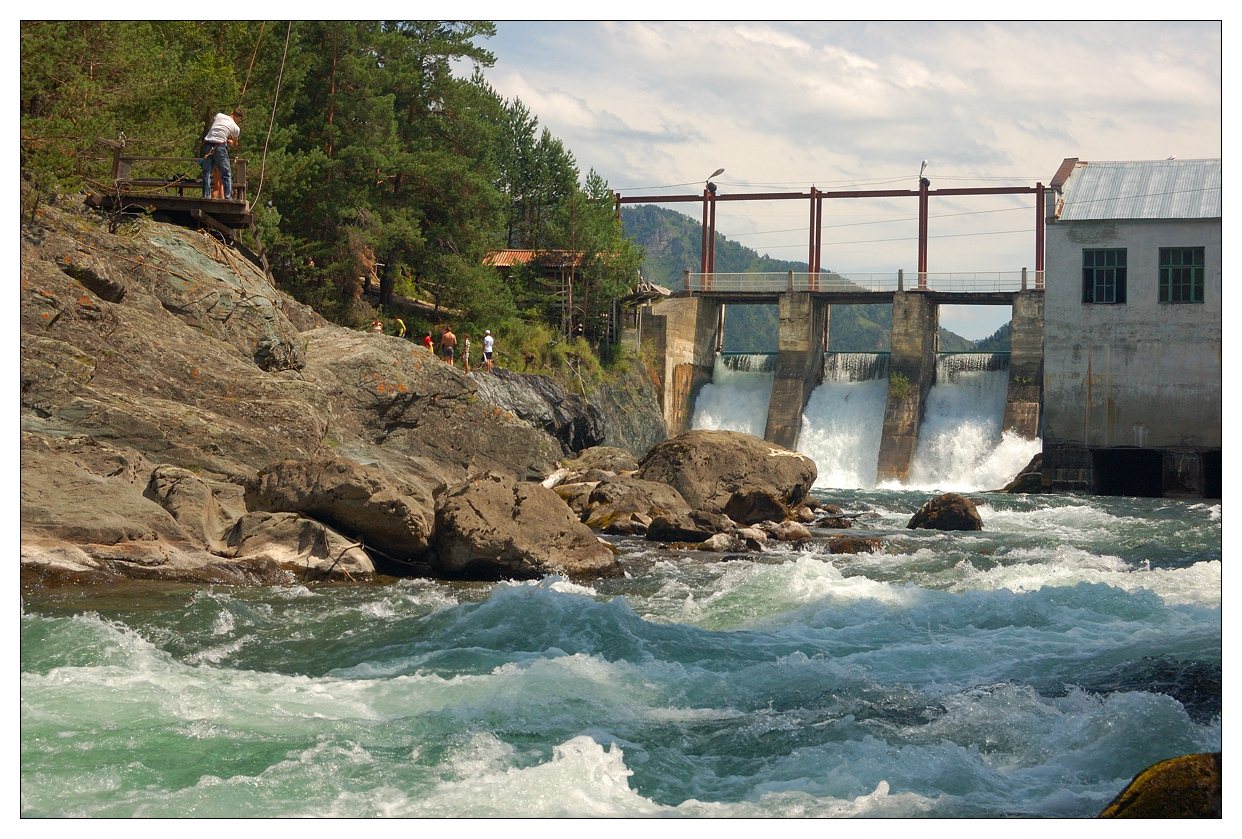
(923, 185)
(1040, 221)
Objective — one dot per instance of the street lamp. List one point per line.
(711, 187)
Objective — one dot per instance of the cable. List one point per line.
(275, 98)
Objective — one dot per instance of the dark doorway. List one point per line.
(1134, 472)
(1211, 474)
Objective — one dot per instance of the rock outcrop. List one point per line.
(161, 373)
(493, 527)
(949, 511)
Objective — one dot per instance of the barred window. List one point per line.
(1104, 276)
(1181, 275)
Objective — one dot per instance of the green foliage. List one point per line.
(381, 166)
(899, 386)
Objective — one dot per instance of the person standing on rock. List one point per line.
(224, 132)
(489, 347)
(400, 328)
(427, 343)
(448, 345)
(377, 326)
(465, 354)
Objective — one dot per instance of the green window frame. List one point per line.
(1104, 275)
(1181, 275)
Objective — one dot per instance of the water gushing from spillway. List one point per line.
(736, 399)
(961, 446)
(844, 420)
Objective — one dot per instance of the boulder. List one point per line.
(709, 467)
(609, 458)
(830, 515)
(854, 544)
(618, 504)
(949, 511)
(751, 505)
(493, 527)
(694, 526)
(297, 544)
(1030, 479)
(393, 515)
(577, 496)
(1186, 787)
(787, 531)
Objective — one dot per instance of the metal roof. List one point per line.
(545, 259)
(1143, 189)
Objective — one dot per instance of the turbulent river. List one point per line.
(1027, 670)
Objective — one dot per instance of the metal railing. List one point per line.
(776, 282)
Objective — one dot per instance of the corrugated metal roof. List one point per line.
(1143, 189)
(546, 259)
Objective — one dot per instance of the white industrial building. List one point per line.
(1132, 335)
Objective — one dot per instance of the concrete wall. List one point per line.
(799, 365)
(1026, 365)
(682, 331)
(912, 359)
(1140, 374)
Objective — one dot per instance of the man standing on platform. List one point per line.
(224, 132)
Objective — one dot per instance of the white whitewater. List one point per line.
(844, 420)
(961, 446)
(736, 399)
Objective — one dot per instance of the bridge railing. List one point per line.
(775, 282)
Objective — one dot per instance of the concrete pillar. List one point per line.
(911, 371)
(1026, 365)
(681, 332)
(799, 365)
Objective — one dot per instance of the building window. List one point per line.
(1181, 275)
(1104, 276)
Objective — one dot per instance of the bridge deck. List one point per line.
(974, 298)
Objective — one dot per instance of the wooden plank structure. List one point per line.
(171, 189)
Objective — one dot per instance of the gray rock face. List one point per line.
(949, 511)
(709, 468)
(544, 404)
(161, 371)
(606, 458)
(493, 527)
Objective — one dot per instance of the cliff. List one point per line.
(161, 373)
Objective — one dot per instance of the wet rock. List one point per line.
(854, 544)
(1186, 787)
(751, 505)
(695, 526)
(493, 527)
(949, 511)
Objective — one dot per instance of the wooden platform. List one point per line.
(158, 185)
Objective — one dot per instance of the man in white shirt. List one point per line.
(489, 345)
(224, 132)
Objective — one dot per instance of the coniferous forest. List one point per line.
(376, 151)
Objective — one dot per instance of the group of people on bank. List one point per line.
(448, 344)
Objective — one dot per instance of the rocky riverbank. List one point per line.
(183, 419)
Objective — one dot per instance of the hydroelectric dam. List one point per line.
(866, 418)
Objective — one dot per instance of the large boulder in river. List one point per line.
(626, 504)
(492, 527)
(1186, 787)
(710, 468)
(949, 511)
(395, 515)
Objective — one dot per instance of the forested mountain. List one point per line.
(369, 157)
(672, 243)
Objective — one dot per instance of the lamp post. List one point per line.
(708, 253)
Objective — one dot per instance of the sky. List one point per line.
(781, 106)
